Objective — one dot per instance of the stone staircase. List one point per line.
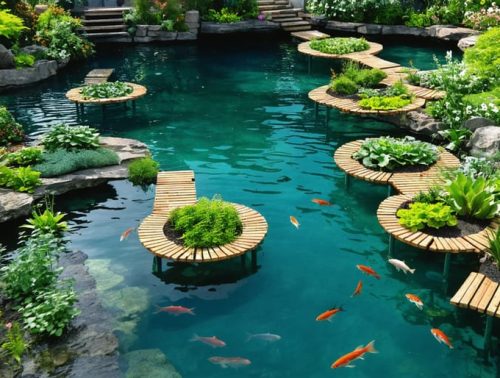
(281, 12)
(104, 22)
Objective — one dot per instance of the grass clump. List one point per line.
(208, 223)
(339, 46)
(106, 90)
(343, 85)
(59, 162)
(354, 79)
(143, 171)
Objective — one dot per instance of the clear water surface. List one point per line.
(238, 115)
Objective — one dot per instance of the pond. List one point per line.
(237, 113)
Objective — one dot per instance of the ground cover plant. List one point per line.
(106, 90)
(71, 138)
(339, 46)
(23, 60)
(208, 223)
(10, 130)
(22, 179)
(396, 96)
(143, 171)
(420, 215)
(388, 154)
(24, 157)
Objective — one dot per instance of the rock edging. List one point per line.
(248, 26)
(14, 204)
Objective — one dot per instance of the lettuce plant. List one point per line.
(22, 179)
(420, 215)
(24, 157)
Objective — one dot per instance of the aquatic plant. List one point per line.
(10, 130)
(143, 171)
(339, 46)
(60, 161)
(420, 215)
(71, 138)
(387, 153)
(24, 157)
(22, 179)
(208, 223)
(110, 89)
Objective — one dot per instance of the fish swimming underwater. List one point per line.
(359, 352)
(233, 362)
(441, 337)
(126, 233)
(327, 315)
(269, 337)
(358, 289)
(177, 310)
(415, 300)
(368, 270)
(213, 341)
(401, 265)
(321, 202)
(294, 221)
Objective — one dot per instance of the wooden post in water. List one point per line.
(309, 64)
(254, 260)
(327, 115)
(243, 260)
(347, 181)
(391, 245)
(487, 334)
(157, 268)
(390, 190)
(446, 269)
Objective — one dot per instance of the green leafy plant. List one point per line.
(50, 311)
(15, 345)
(456, 137)
(224, 16)
(494, 249)
(71, 138)
(483, 59)
(475, 167)
(344, 86)
(364, 77)
(434, 194)
(418, 20)
(339, 46)
(24, 157)
(48, 221)
(10, 130)
(60, 161)
(11, 26)
(22, 179)
(384, 103)
(143, 171)
(208, 223)
(24, 60)
(386, 153)
(106, 90)
(474, 198)
(420, 215)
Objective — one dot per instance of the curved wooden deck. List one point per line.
(473, 243)
(405, 183)
(321, 96)
(75, 96)
(305, 48)
(177, 189)
(478, 293)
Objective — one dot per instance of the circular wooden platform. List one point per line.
(153, 238)
(321, 96)
(404, 182)
(387, 218)
(138, 91)
(375, 48)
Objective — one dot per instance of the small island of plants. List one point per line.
(339, 46)
(208, 223)
(106, 90)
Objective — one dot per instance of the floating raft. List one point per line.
(348, 105)
(75, 96)
(404, 182)
(98, 75)
(472, 243)
(176, 189)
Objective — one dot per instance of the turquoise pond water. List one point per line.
(238, 115)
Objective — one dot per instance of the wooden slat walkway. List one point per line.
(176, 189)
(405, 183)
(473, 243)
(98, 75)
(309, 35)
(480, 294)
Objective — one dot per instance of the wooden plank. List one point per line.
(494, 304)
(487, 297)
(463, 289)
(471, 291)
(480, 293)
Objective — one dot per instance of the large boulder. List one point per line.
(6, 58)
(343, 26)
(42, 69)
(467, 42)
(450, 32)
(485, 141)
(238, 27)
(370, 29)
(35, 50)
(403, 30)
(477, 122)
(421, 123)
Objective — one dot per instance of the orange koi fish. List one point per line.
(327, 315)
(415, 300)
(357, 291)
(359, 352)
(321, 202)
(176, 310)
(441, 337)
(368, 270)
(213, 341)
(126, 233)
(294, 221)
(234, 362)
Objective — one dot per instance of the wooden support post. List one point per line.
(390, 190)
(446, 269)
(309, 64)
(82, 108)
(243, 260)
(391, 245)
(133, 105)
(347, 181)
(327, 115)
(157, 268)
(254, 260)
(487, 334)
(316, 109)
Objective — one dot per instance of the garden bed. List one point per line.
(305, 48)
(76, 96)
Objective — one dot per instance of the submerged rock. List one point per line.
(105, 278)
(129, 300)
(151, 363)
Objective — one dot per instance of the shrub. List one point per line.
(143, 171)
(483, 59)
(339, 46)
(420, 215)
(208, 223)
(388, 153)
(435, 194)
(59, 162)
(24, 157)
(494, 249)
(224, 16)
(106, 90)
(11, 26)
(24, 60)
(71, 138)
(10, 130)
(474, 198)
(384, 103)
(419, 20)
(22, 179)
(483, 19)
(343, 85)
(370, 78)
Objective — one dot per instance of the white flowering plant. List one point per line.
(380, 11)
(484, 18)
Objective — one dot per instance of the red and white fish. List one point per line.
(358, 353)
(368, 270)
(269, 337)
(327, 315)
(294, 221)
(415, 300)
(358, 289)
(213, 341)
(401, 265)
(441, 337)
(321, 202)
(233, 362)
(176, 310)
(126, 233)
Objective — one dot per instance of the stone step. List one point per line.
(265, 2)
(104, 13)
(264, 8)
(103, 21)
(277, 12)
(295, 23)
(104, 27)
(280, 20)
(108, 34)
(297, 28)
(106, 10)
